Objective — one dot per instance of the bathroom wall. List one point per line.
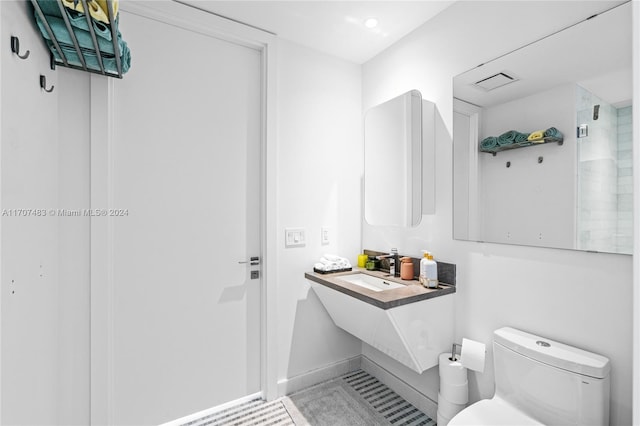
(507, 194)
(319, 168)
(580, 298)
(45, 335)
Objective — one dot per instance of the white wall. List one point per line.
(45, 282)
(583, 299)
(319, 168)
(529, 202)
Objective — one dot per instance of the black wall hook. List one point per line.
(15, 48)
(43, 84)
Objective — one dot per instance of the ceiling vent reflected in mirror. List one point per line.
(495, 81)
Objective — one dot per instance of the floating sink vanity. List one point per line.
(402, 319)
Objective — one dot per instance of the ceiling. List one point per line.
(333, 27)
(595, 54)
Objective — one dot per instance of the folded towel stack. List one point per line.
(97, 8)
(514, 139)
(331, 262)
(78, 21)
(511, 137)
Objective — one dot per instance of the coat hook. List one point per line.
(43, 84)
(15, 48)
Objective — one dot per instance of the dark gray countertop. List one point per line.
(386, 299)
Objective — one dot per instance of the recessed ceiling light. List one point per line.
(371, 22)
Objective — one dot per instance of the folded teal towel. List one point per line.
(91, 58)
(76, 19)
(49, 7)
(552, 132)
(507, 138)
(86, 46)
(521, 137)
(489, 143)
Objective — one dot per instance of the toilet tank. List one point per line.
(554, 383)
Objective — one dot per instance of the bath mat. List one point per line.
(330, 404)
(354, 399)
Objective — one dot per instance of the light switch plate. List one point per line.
(294, 237)
(325, 235)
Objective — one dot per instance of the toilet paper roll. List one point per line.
(472, 355)
(442, 420)
(447, 408)
(457, 394)
(451, 371)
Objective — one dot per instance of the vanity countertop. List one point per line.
(387, 299)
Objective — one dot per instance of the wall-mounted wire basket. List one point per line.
(79, 40)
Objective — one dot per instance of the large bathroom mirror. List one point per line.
(392, 161)
(570, 188)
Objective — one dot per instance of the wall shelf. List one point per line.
(525, 144)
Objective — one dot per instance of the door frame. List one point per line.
(474, 184)
(102, 173)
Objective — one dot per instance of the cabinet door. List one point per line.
(28, 233)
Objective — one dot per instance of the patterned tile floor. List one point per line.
(377, 395)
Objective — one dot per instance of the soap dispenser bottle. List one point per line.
(423, 268)
(428, 271)
(432, 272)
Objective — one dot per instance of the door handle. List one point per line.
(254, 260)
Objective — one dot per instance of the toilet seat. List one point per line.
(492, 412)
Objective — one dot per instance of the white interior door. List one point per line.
(185, 167)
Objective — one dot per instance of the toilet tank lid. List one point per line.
(556, 354)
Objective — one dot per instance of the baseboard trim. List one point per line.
(294, 384)
(213, 410)
(399, 386)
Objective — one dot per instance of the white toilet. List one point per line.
(542, 382)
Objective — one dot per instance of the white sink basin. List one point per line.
(372, 283)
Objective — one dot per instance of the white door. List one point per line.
(185, 167)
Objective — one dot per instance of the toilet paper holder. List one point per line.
(453, 351)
